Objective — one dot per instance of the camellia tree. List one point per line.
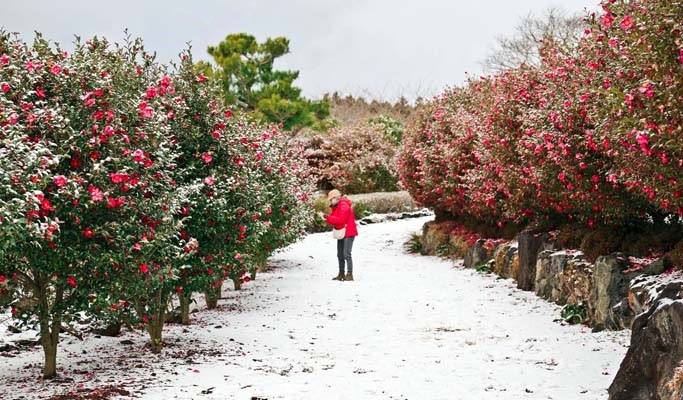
(250, 201)
(87, 197)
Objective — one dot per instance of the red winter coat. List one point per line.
(342, 216)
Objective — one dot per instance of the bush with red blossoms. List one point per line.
(356, 159)
(87, 194)
(250, 201)
(590, 138)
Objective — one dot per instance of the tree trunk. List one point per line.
(253, 274)
(212, 295)
(50, 324)
(263, 267)
(156, 323)
(185, 300)
(238, 283)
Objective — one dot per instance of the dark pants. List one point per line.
(344, 247)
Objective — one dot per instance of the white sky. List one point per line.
(375, 48)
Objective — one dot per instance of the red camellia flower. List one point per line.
(56, 69)
(117, 177)
(4, 60)
(207, 158)
(115, 202)
(201, 78)
(143, 268)
(165, 81)
(59, 180)
(228, 113)
(145, 111)
(46, 205)
(626, 23)
(88, 233)
(71, 281)
(5, 87)
(216, 134)
(3, 279)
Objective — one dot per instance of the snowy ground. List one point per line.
(409, 327)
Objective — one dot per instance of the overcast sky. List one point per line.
(375, 48)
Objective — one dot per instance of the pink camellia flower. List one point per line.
(4, 60)
(139, 156)
(165, 81)
(40, 93)
(59, 180)
(607, 20)
(216, 134)
(5, 87)
(95, 193)
(627, 23)
(207, 158)
(228, 113)
(209, 181)
(201, 78)
(143, 268)
(647, 89)
(145, 111)
(88, 233)
(71, 281)
(56, 69)
(151, 93)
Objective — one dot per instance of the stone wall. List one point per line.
(616, 295)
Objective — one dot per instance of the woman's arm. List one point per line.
(340, 215)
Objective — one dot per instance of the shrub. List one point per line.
(352, 159)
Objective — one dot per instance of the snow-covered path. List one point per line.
(409, 327)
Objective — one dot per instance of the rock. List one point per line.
(576, 281)
(657, 267)
(504, 256)
(656, 351)
(610, 287)
(644, 290)
(529, 245)
(112, 329)
(549, 269)
(476, 255)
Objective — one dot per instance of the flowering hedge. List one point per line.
(122, 183)
(592, 138)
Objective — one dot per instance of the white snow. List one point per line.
(409, 327)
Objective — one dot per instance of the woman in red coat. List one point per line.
(342, 217)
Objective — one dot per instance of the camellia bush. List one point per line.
(357, 159)
(590, 138)
(122, 183)
(251, 199)
(87, 197)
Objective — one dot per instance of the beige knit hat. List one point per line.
(333, 193)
